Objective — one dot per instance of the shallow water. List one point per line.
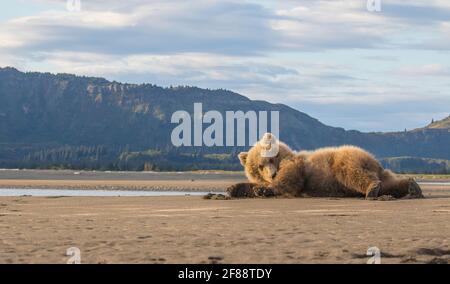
(444, 183)
(88, 192)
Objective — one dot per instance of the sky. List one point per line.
(337, 61)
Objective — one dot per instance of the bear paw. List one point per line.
(263, 191)
(216, 196)
(241, 190)
(414, 190)
(386, 198)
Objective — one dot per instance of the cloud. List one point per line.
(424, 70)
(220, 27)
(187, 68)
(329, 55)
(422, 12)
(149, 27)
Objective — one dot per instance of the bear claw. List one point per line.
(262, 191)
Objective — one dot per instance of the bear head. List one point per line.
(262, 162)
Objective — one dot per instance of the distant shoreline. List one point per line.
(139, 181)
(205, 181)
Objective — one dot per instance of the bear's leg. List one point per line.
(401, 188)
(365, 182)
(290, 180)
(359, 181)
(373, 190)
(414, 190)
(241, 190)
(250, 190)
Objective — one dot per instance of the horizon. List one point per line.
(334, 60)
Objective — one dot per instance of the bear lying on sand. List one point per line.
(345, 171)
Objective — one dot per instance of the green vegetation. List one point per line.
(417, 165)
(429, 176)
(103, 158)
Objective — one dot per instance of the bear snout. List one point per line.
(270, 171)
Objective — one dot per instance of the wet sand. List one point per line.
(151, 181)
(149, 185)
(189, 229)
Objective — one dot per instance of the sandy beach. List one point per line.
(189, 229)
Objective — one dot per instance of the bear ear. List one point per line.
(243, 157)
(267, 136)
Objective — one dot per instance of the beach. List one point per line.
(190, 229)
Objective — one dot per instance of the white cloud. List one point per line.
(265, 51)
(222, 27)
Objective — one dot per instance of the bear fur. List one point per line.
(345, 171)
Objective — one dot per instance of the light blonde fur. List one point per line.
(346, 171)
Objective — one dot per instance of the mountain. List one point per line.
(441, 124)
(63, 120)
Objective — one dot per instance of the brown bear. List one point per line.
(345, 171)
